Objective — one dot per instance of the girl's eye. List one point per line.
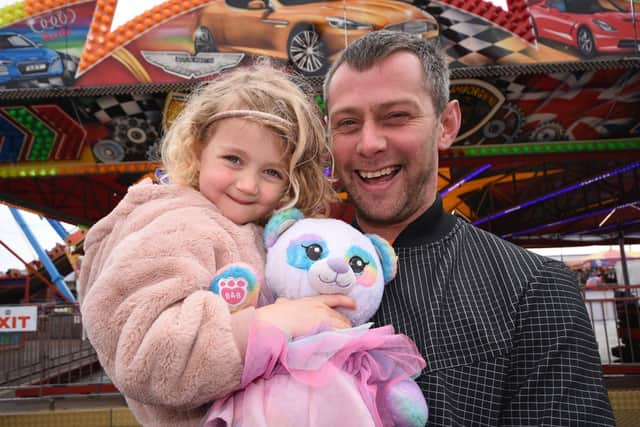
(274, 173)
(232, 159)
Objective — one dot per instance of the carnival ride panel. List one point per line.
(78, 43)
(84, 100)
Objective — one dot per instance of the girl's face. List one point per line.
(243, 170)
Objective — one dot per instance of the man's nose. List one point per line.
(372, 140)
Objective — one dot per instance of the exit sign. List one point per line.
(18, 318)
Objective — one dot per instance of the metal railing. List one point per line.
(615, 315)
(51, 359)
(56, 360)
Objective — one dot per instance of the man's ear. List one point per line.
(450, 121)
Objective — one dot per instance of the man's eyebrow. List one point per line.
(405, 102)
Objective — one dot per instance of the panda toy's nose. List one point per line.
(338, 265)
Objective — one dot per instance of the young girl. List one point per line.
(245, 145)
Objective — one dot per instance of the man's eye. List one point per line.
(346, 124)
(397, 117)
(314, 251)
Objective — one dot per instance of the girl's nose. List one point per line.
(247, 183)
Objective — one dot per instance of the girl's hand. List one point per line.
(297, 317)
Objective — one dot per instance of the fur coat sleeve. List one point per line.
(161, 335)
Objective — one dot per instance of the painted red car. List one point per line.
(590, 26)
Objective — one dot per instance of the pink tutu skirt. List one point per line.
(328, 378)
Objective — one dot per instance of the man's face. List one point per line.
(384, 137)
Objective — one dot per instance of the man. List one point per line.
(504, 332)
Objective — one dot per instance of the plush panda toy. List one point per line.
(312, 256)
(358, 377)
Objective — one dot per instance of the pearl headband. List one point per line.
(249, 113)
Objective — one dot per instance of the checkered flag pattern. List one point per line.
(470, 40)
(108, 108)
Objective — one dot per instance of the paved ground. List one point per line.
(111, 411)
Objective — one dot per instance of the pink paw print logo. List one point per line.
(237, 284)
(233, 290)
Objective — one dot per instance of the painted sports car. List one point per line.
(21, 59)
(590, 26)
(308, 33)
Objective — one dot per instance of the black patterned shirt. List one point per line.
(504, 332)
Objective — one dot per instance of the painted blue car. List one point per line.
(23, 60)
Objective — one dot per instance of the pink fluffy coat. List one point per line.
(160, 334)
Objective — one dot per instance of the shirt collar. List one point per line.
(429, 227)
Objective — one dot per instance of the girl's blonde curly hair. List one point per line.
(264, 89)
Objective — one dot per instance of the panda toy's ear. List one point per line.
(279, 223)
(387, 255)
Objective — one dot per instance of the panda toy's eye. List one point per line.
(314, 251)
(357, 264)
